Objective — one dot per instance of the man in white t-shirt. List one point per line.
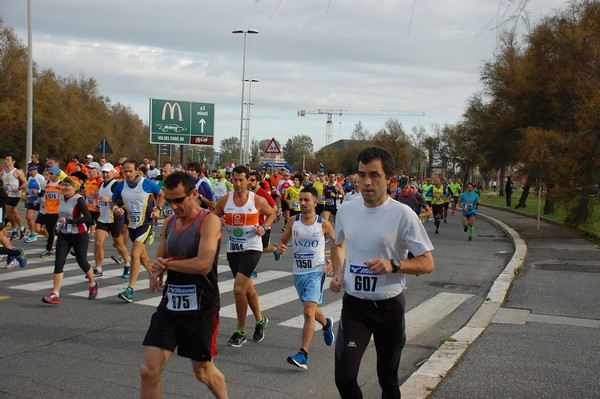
(373, 274)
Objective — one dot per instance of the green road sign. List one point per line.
(181, 122)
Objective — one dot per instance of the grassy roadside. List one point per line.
(492, 198)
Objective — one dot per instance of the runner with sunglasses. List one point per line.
(187, 317)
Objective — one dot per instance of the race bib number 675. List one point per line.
(182, 298)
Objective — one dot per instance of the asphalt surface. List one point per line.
(535, 336)
(93, 349)
(542, 338)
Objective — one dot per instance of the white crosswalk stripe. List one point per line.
(419, 319)
(424, 316)
(227, 286)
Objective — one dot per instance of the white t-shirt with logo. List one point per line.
(388, 231)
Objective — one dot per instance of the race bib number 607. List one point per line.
(364, 280)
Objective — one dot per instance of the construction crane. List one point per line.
(340, 112)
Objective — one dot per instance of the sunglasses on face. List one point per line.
(178, 200)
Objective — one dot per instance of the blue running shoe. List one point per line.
(31, 238)
(328, 332)
(21, 258)
(126, 272)
(298, 360)
(126, 295)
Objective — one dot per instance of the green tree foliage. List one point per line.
(258, 149)
(230, 150)
(430, 145)
(13, 92)
(69, 116)
(360, 133)
(543, 93)
(296, 148)
(393, 138)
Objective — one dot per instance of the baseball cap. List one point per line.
(54, 170)
(93, 165)
(89, 156)
(107, 167)
(403, 182)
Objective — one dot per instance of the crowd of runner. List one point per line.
(88, 201)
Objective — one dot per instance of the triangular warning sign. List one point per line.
(272, 148)
(104, 147)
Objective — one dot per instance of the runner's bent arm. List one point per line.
(422, 264)
(263, 206)
(328, 230)
(338, 254)
(202, 263)
(158, 267)
(220, 206)
(22, 179)
(285, 237)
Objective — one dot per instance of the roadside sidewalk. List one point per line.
(542, 340)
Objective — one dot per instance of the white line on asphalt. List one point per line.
(418, 319)
(424, 316)
(227, 286)
(266, 301)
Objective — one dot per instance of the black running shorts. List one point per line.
(194, 336)
(243, 262)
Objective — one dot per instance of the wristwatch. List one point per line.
(395, 265)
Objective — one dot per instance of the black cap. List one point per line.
(403, 182)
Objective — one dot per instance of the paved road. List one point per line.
(93, 348)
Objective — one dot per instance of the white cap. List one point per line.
(107, 167)
(89, 156)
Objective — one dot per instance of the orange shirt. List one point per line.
(92, 185)
(52, 193)
(393, 188)
(274, 180)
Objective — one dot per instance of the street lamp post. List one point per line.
(249, 103)
(242, 144)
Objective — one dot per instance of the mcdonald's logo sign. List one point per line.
(181, 122)
(172, 108)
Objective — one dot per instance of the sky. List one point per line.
(394, 56)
